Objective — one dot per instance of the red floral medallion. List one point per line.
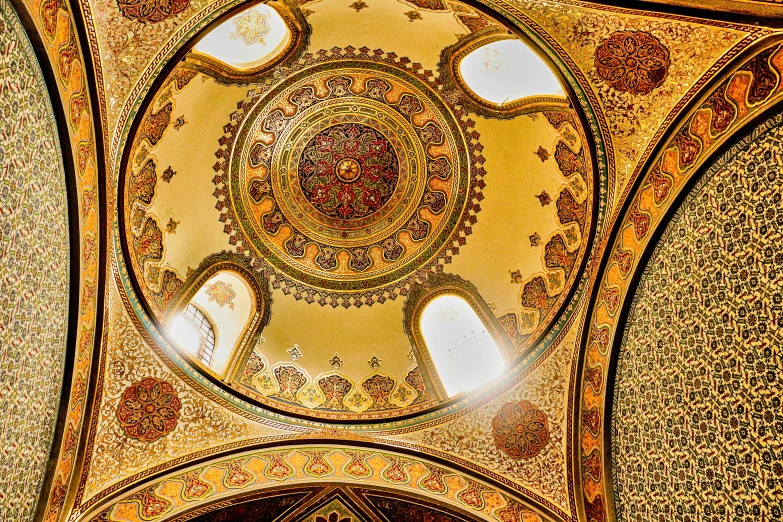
(632, 61)
(152, 10)
(520, 430)
(148, 409)
(348, 171)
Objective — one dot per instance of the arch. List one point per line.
(251, 42)
(653, 200)
(457, 301)
(233, 479)
(234, 299)
(699, 321)
(484, 69)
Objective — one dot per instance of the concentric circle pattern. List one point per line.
(349, 175)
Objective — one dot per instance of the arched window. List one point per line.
(459, 343)
(218, 314)
(194, 332)
(464, 353)
(501, 75)
(506, 71)
(250, 42)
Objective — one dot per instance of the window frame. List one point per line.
(449, 65)
(262, 299)
(225, 73)
(420, 296)
(205, 318)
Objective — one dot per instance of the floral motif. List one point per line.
(142, 185)
(544, 198)
(542, 153)
(348, 171)
(290, 380)
(148, 409)
(632, 61)
(222, 294)
(520, 430)
(379, 387)
(251, 26)
(151, 11)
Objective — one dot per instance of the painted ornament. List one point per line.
(152, 11)
(520, 430)
(632, 61)
(251, 26)
(148, 409)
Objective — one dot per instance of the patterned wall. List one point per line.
(697, 425)
(34, 254)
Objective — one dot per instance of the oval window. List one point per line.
(248, 40)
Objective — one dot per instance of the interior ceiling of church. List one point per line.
(271, 204)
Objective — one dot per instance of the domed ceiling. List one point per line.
(351, 172)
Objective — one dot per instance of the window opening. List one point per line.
(205, 331)
(463, 351)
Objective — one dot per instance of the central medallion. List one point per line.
(348, 171)
(348, 176)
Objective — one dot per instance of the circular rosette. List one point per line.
(520, 430)
(148, 409)
(632, 61)
(349, 176)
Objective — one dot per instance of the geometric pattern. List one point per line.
(312, 179)
(34, 279)
(697, 430)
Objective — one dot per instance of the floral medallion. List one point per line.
(348, 171)
(148, 409)
(632, 61)
(349, 175)
(152, 10)
(520, 430)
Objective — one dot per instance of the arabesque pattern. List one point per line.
(164, 499)
(700, 363)
(731, 103)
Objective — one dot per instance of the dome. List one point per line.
(354, 221)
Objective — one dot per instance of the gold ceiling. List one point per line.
(316, 199)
